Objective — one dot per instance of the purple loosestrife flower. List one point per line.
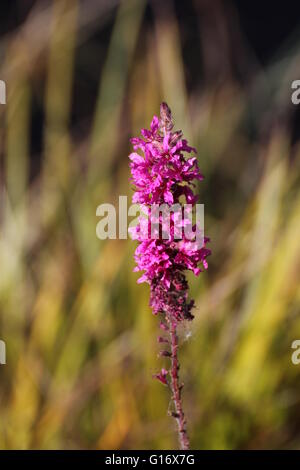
(162, 176)
(165, 175)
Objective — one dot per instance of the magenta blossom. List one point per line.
(164, 175)
(161, 176)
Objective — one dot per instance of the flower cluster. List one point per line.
(163, 175)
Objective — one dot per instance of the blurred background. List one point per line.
(83, 77)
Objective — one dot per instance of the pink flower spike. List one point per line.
(163, 175)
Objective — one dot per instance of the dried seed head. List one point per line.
(163, 326)
(165, 353)
(175, 137)
(162, 376)
(160, 339)
(166, 117)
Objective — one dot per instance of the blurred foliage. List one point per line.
(81, 341)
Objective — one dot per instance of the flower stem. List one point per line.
(176, 388)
